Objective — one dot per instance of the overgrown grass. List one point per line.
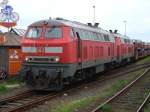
(13, 81)
(3, 88)
(74, 105)
(77, 104)
(117, 85)
(86, 101)
(147, 59)
(147, 108)
(9, 82)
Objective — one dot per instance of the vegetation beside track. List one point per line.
(3, 88)
(147, 59)
(87, 101)
(147, 108)
(8, 84)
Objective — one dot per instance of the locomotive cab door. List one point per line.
(118, 46)
(79, 47)
(79, 50)
(80, 74)
(118, 51)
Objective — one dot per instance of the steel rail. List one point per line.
(141, 108)
(15, 97)
(98, 109)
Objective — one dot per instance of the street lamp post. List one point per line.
(125, 23)
(93, 14)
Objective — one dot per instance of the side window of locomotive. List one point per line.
(92, 36)
(81, 34)
(87, 35)
(112, 38)
(95, 36)
(72, 34)
(84, 34)
(98, 37)
(122, 40)
(34, 33)
(102, 37)
(53, 32)
(106, 37)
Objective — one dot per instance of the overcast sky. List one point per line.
(109, 13)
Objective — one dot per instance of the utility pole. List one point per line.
(125, 23)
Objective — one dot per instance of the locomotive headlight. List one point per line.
(26, 59)
(57, 59)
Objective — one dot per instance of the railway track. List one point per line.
(25, 101)
(28, 99)
(125, 70)
(10, 103)
(132, 98)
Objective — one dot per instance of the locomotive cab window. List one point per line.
(34, 32)
(53, 32)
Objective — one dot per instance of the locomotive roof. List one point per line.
(64, 22)
(121, 36)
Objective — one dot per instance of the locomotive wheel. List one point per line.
(60, 83)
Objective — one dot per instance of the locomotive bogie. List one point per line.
(44, 76)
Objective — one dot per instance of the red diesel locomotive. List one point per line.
(58, 51)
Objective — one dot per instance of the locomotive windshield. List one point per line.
(53, 32)
(34, 33)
